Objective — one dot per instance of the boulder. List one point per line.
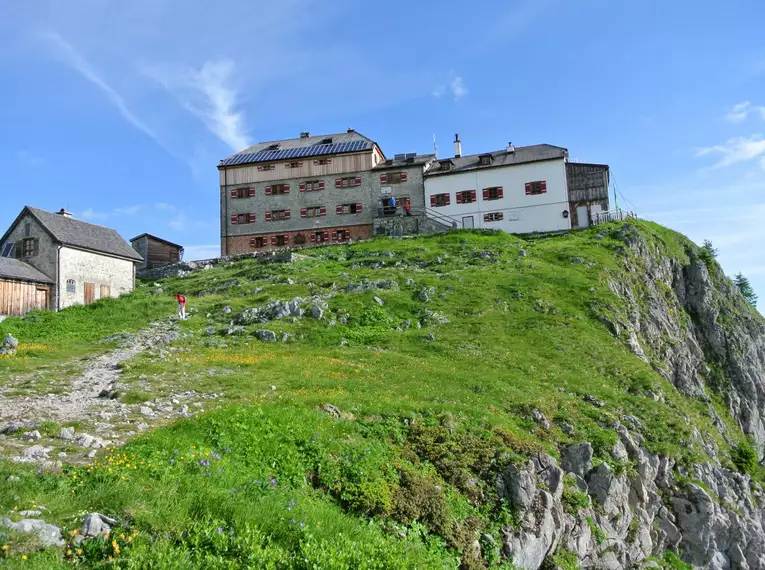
(48, 534)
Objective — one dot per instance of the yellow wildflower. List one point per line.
(69, 552)
(23, 556)
(116, 547)
(5, 547)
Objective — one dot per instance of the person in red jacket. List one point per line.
(181, 298)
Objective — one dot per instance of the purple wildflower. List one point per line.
(172, 461)
(220, 529)
(228, 450)
(273, 481)
(293, 521)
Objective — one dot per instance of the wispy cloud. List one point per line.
(210, 95)
(178, 219)
(740, 112)
(454, 84)
(736, 150)
(91, 214)
(458, 88)
(29, 159)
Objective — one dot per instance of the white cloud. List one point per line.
(740, 112)
(458, 88)
(736, 150)
(128, 211)
(165, 207)
(29, 159)
(196, 252)
(91, 214)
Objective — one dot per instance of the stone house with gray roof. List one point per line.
(80, 262)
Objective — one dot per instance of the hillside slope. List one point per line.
(469, 400)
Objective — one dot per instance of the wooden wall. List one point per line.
(161, 254)
(19, 297)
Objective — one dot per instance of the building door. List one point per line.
(90, 292)
(582, 217)
(467, 222)
(41, 298)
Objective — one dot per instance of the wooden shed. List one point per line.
(156, 251)
(22, 288)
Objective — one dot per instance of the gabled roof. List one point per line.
(418, 160)
(301, 147)
(77, 233)
(521, 155)
(155, 238)
(11, 268)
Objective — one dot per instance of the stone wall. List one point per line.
(82, 266)
(407, 225)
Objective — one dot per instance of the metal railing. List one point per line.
(439, 217)
(612, 216)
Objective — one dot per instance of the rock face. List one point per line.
(686, 315)
(631, 516)
(47, 534)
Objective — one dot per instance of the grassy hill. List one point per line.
(371, 437)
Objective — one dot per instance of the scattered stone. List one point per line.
(406, 324)
(577, 261)
(430, 336)
(265, 335)
(143, 426)
(522, 253)
(379, 301)
(108, 393)
(48, 534)
(210, 331)
(62, 454)
(92, 454)
(285, 337)
(30, 513)
(343, 342)
(32, 435)
(425, 294)
(15, 426)
(335, 412)
(35, 453)
(567, 428)
(343, 320)
(9, 346)
(147, 411)
(594, 401)
(272, 388)
(13, 479)
(226, 310)
(257, 290)
(539, 418)
(317, 312)
(96, 524)
(431, 318)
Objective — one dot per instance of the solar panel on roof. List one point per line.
(7, 249)
(300, 152)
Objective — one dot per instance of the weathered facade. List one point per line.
(22, 288)
(155, 251)
(297, 192)
(83, 262)
(587, 192)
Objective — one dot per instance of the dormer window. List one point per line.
(274, 146)
(486, 159)
(445, 165)
(326, 141)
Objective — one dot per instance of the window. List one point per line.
(348, 209)
(319, 237)
(277, 189)
(342, 235)
(537, 187)
(70, 287)
(274, 146)
(280, 240)
(29, 247)
(322, 161)
(274, 215)
(243, 193)
(348, 182)
(104, 291)
(8, 249)
(311, 185)
(493, 193)
(299, 239)
(313, 212)
(486, 159)
(27, 229)
(466, 197)
(445, 165)
(257, 242)
(294, 164)
(243, 218)
(265, 167)
(437, 200)
(326, 141)
(393, 178)
(494, 217)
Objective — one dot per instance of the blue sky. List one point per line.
(120, 111)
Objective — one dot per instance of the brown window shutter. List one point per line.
(500, 193)
(252, 218)
(486, 217)
(358, 208)
(286, 214)
(321, 185)
(268, 216)
(528, 188)
(338, 182)
(313, 237)
(448, 199)
(233, 194)
(358, 181)
(303, 212)
(433, 201)
(544, 185)
(383, 179)
(273, 240)
(403, 176)
(286, 188)
(459, 198)
(251, 192)
(233, 219)
(339, 210)
(302, 186)
(485, 193)
(322, 211)
(268, 190)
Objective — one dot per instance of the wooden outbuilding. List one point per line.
(156, 251)
(22, 288)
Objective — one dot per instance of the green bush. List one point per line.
(745, 457)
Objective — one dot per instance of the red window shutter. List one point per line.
(500, 193)
(448, 199)
(339, 210)
(528, 188)
(485, 193)
(302, 186)
(486, 217)
(233, 219)
(321, 185)
(273, 240)
(268, 216)
(286, 214)
(544, 185)
(383, 179)
(303, 212)
(459, 198)
(286, 188)
(358, 181)
(251, 192)
(433, 201)
(268, 190)
(322, 211)
(233, 194)
(252, 218)
(313, 237)
(338, 182)
(358, 208)
(403, 176)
